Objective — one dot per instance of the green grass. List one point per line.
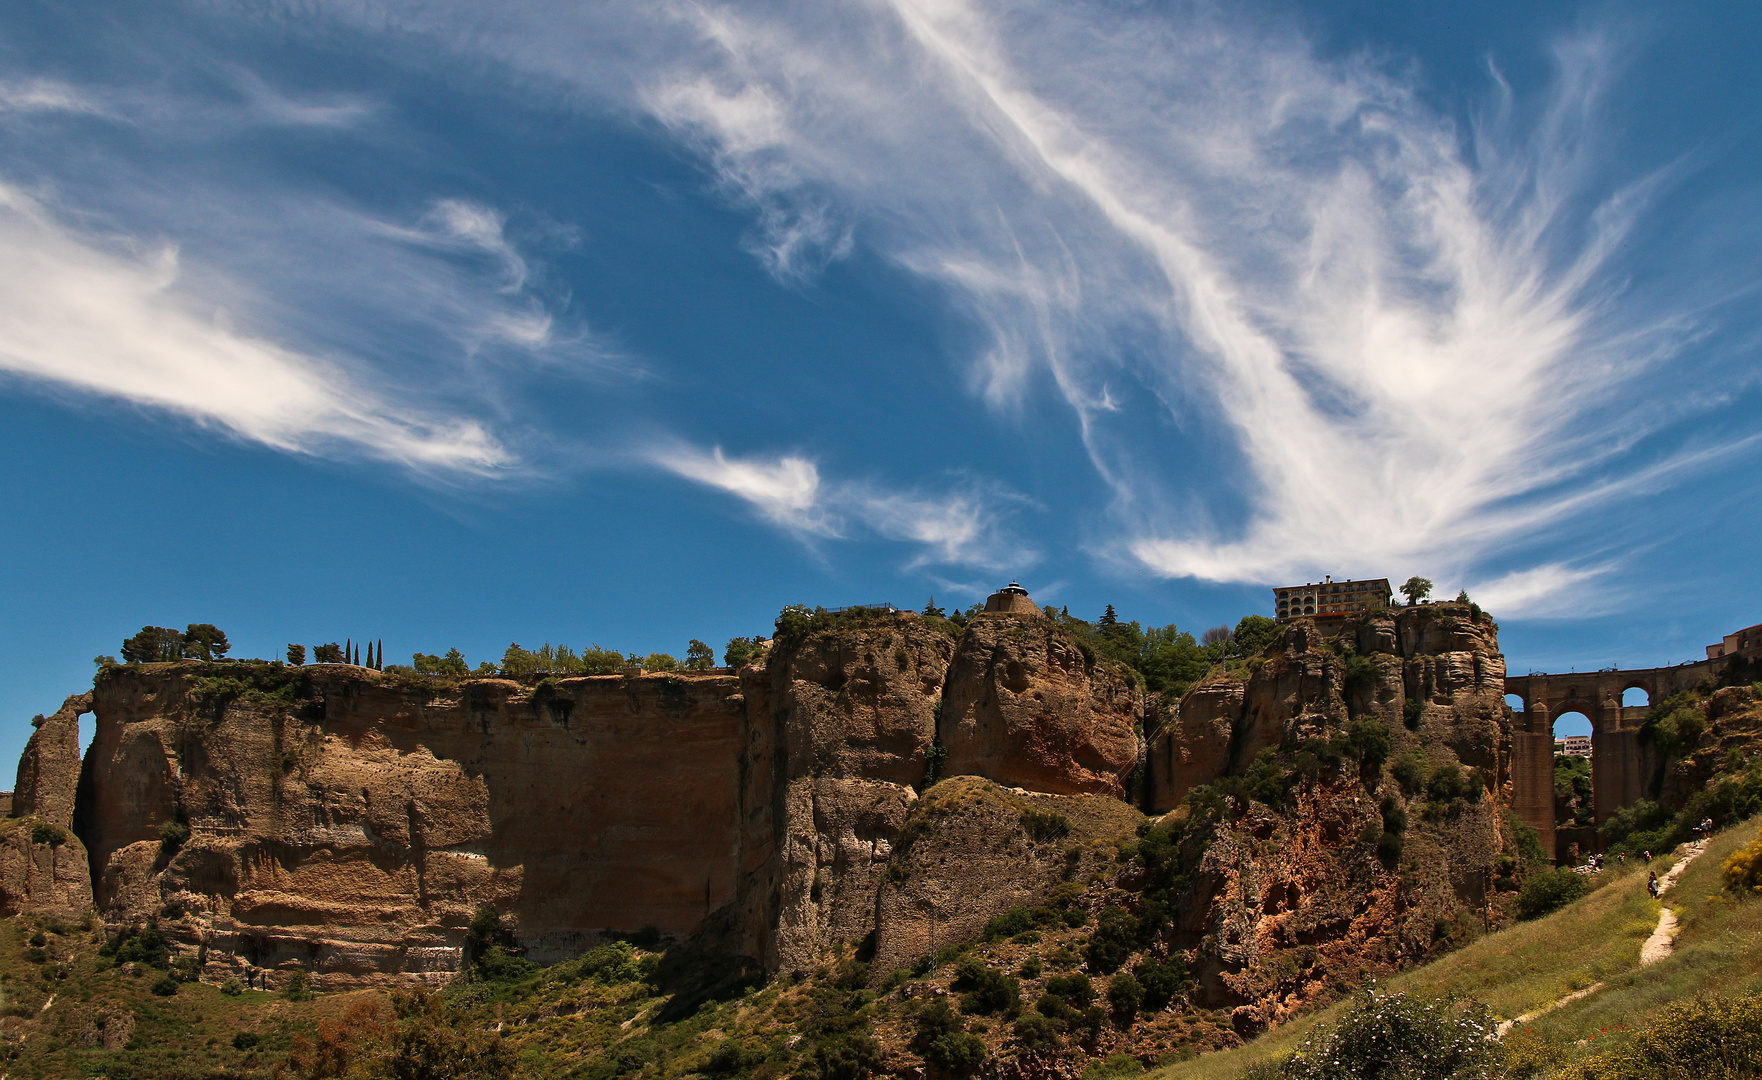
(1596, 939)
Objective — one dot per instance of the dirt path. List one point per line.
(1656, 948)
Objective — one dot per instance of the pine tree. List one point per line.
(296, 655)
(1108, 618)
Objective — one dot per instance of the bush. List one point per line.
(1125, 995)
(232, 987)
(1162, 980)
(43, 832)
(1708, 1039)
(1116, 934)
(245, 1040)
(1371, 740)
(1410, 772)
(1548, 892)
(1038, 1032)
(298, 988)
(1044, 826)
(1114, 1066)
(166, 986)
(1074, 988)
(139, 945)
(1743, 870)
(851, 1056)
(988, 990)
(172, 835)
(1400, 1036)
(944, 1043)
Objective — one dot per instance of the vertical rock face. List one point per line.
(1288, 900)
(354, 821)
(1433, 674)
(1027, 708)
(49, 769)
(856, 709)
(42, 871)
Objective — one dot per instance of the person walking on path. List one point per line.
(1652, 884)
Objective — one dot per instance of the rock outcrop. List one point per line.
(1355, 874)
(856, 713)
(49, 768)
(1028, 707)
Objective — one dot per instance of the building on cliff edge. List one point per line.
(1330, 599)
(1745, 642)
(1012, 597)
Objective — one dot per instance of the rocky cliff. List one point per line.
(351, 822)
(1356, 784)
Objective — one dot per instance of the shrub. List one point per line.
(1116, 933)
(732, 1056)
(942, 1041)
(1045, 826)
(1162, 980)
(850, 1056)
(298, 988)
(988, 990)
(1743, 870)
(44, 832)
(1074, 988)
(1708, 1039)
(166, 986)
(1371, 740)
(245, 1040)
(232, 987)
(1675, 724)
(1031, 968)
(1038, 1032)
(1410, 772)
(1411, 712)
(1549, 892)
(1401, 1036)
(1125, 995)
(1446, 782)
(172, 835)
(1114, 1066)
(138, 944)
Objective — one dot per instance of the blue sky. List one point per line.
(632, 323)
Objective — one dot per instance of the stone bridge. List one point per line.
(1616, 778)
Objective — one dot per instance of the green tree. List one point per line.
(699, 657)
(658, 661)
(932, 611)
(153, 645)
(1416, 589)
(454, 663)
(1253, 634)
(742, 650)
(517, 661)
(296, 654)
(1108, 618)
(328, 653)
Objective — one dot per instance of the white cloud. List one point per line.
(959, 527)
(106, 320)
(46, 95)
(1541, 591)
(785, 492)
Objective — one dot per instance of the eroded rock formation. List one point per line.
(351, 822)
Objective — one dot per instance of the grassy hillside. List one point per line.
(1594, 940)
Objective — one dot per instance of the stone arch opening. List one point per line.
(1636, 696)
(1575, 781)
(1516, 703)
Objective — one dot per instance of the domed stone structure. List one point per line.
(1012, 597)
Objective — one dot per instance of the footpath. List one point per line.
(1656, 948)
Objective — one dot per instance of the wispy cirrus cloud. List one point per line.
(110, 321)
(963, 526)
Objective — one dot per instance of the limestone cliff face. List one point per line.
(356, 829)
(1285, 901)
(42, 871)
(1443, 658)
(856, 711)
(1027, 708)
